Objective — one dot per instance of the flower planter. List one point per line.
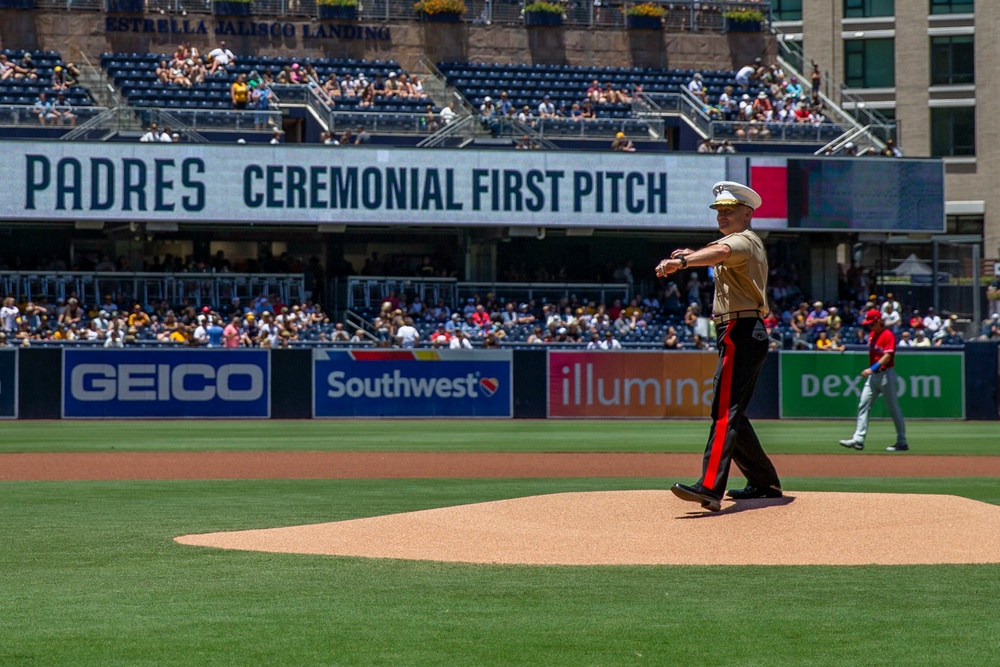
(17, 4)
(443, 17)
(542, 18)
(125, 6)
(742, 26)
(341, 12)
(643, 22)
(227, 8)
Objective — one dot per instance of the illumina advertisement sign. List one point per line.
(931, 385)
(631, 384)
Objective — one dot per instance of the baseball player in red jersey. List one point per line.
(740, 263)
(880, 379)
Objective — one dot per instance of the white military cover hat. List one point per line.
(730, 193)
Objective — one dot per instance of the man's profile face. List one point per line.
(733, 218)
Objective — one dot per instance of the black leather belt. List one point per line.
(736, 315)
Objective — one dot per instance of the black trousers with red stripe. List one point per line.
(743, 346)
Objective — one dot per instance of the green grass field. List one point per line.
(89, 574)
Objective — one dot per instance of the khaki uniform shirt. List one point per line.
(741, 280)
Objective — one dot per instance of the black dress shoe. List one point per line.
(697, 494)
(748, 492)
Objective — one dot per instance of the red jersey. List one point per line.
(878, 345)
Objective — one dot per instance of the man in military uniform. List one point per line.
(740, 263)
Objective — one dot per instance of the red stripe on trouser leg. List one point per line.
(722, 421)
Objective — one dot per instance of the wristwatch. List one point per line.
(683, 261)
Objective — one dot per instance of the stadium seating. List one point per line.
(135, 76)
(23, 92)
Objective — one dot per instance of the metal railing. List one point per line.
(371, 291)
(197, 289)
(681, 16)
(191, 121)
(786, 133)
(19, 115)
(462, 128)
(541, 293)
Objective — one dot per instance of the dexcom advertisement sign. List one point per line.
(166, 383)
(930, 385)
(413, 383)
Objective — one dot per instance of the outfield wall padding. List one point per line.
(982, 376)
(41, 385)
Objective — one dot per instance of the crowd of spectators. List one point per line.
(51, 105)
(761, 95)
(495, 111)
(663, 320)
(266, 322)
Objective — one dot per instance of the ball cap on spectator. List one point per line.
(730, 193)
(870, 317)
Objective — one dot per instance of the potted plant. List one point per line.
(337, 9)
(125, 6)
(645, 16)
(743, 20)
(543, 13)
(441, 11)
(232, 7)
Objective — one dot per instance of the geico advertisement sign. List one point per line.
(412, 383)
(166, 383)
(829, 384)
(631, 384)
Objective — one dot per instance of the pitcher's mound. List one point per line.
(655, 527)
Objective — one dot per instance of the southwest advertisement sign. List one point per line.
(605, 384)
(166, 383)
(413, 383)
(8, 384)
(931, 385)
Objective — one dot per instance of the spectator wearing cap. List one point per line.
(546, 109)
(762, 109)
(138, 317)
(793, 88)
(949, 328)
(524, 315)
(72, 313)
(916, 320)
(889, 301)
(891, 318)
(818, 318)
(622, 143)
(392, 87)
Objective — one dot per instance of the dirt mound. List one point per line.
(654, 528)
